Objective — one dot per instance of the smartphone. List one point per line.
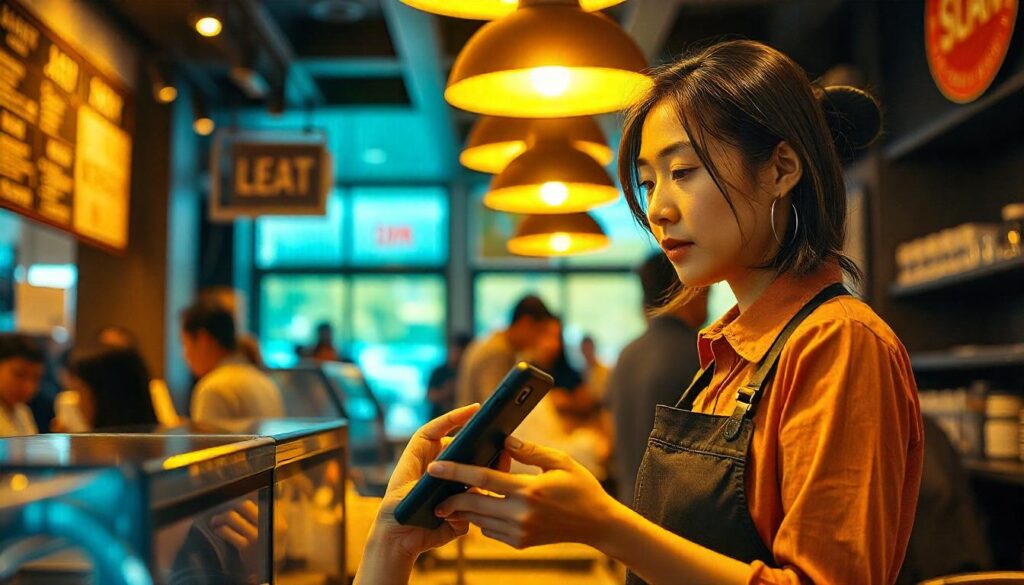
(479, 443)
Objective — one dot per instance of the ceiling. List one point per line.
(371, 73)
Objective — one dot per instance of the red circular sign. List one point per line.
(966, 42)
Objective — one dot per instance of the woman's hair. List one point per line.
(119, 381)
(749, 96)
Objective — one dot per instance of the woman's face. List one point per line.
(701, 235)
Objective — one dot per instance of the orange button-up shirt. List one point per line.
(835, 461)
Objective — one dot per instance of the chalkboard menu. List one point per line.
(65, 148)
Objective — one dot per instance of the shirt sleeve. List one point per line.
(209, 404)
(848, 477)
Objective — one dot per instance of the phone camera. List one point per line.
(523, 395)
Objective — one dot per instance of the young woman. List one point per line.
(795, 456)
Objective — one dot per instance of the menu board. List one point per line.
(65, 148)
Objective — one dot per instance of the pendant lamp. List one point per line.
(551, 177)
(558, 235)
(494, 142)
(489, 9)
(549, 59)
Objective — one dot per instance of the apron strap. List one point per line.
(748, 394)
(701, 381)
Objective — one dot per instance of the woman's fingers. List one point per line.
(468, 502)
(442, 425)
(481, 477)
(488, 522)
(537, 455)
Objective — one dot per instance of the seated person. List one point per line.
(22, 362)
(112, 387)
(229, 387)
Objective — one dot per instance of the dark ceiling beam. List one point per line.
(416, 40)
(650, 22)
(301, 90)
(363, 67)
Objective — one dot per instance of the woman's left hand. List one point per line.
(565, 503)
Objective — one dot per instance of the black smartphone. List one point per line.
(479, 443)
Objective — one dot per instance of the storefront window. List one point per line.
(399, 226)
(373, 269)
(302, 241)
(292, 306)
(398, 333)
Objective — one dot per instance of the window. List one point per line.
(398, 330)
(595, 294)
(302, 241)
(291, 306)
(399, 227)
(373, 269)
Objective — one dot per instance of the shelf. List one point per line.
(969, 358)
(1003, 471)
(1000, 103)
(1005, 273)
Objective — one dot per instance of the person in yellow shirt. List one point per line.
(795, 455)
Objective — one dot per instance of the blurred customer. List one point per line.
(653, 369)
(441, 386)
(488, 360)
(112, 387)
(323, 349)
(595, 372)
(160, 395)
(228, 386)
(249, 347)
(22, 361)
(566, 417)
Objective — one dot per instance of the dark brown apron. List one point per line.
(692, 480)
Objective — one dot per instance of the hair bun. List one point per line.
(853, 116)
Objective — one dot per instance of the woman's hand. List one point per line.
(391, 547)
(565, 503)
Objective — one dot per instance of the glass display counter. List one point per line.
(333, 389)
(194, 510)
(308, 535)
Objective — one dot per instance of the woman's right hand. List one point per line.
(391, 547)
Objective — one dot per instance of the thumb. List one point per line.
(538, 455)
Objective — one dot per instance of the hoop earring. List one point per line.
(796, 226)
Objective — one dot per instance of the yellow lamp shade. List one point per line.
(549, 59)
(551, 177)
(490, 9)
(558, 235)
(494, 142)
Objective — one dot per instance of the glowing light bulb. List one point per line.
(209, 26)
(19, 482)
(203, 126)
(550, 81)
(554, 193)
(166, 94)
(560, 241)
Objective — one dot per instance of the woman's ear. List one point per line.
(784, 170)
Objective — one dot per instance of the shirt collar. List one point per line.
(752, 332)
